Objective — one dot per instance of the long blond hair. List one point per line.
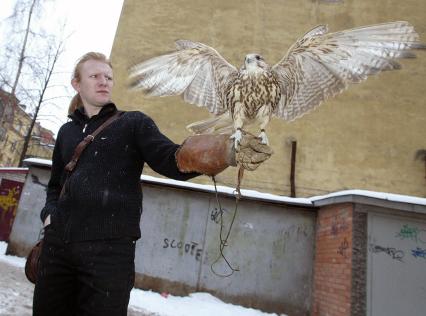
(76, 100)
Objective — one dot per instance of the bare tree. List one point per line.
(24, 10)
(22, 53)
(44, 77)
(28, 65)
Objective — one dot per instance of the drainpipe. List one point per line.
(421, 155)
(293, 168)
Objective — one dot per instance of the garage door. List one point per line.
(396, 273)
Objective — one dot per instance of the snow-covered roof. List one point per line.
(249, 194)
(38, 162)
(372, 194)
(383, 199)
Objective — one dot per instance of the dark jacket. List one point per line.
(103, 197)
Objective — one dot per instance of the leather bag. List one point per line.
(33, 259)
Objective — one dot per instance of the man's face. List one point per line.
(95, 84)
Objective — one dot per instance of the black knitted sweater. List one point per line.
(103, 196)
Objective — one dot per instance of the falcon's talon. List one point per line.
(264, 138)
(237, 136)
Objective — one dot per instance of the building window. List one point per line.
(18, 126)
(13, 146)
(3, 132)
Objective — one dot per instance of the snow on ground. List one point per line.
(193, 305)
(15, 291)
(12, 260)
(16, 297)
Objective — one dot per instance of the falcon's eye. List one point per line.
(257, 57)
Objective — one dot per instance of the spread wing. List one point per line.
(321, 64)
(196, 71)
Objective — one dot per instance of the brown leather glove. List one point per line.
(206, 154)
(211, 154)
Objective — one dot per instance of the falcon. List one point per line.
(318, 66)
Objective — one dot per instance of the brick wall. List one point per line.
(359, 263)
(333, 261)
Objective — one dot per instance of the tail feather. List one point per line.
(221, 124)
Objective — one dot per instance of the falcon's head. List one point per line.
(254, 63)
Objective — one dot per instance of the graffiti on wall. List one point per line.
(216, 214)
(343, 248)
(338, 225)
(36, 180)
(390, 251)
(191, 248)
(419, 253)
(10, 192)
(412, 233)
(416, 235)
(409, 233)
(8, 201)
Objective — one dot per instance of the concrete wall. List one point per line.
(271, 244)
(27, 225)
(180, 242)
(366, 138)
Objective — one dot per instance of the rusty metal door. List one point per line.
(10, 191)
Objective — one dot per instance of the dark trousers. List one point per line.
(84, 278)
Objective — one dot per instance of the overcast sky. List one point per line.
(92, 25)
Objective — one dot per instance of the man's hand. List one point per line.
(46, 221)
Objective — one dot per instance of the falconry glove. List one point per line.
(205, 154)
(211, 154)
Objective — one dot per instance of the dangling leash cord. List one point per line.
(224, 241)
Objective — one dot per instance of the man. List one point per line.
(87, 259)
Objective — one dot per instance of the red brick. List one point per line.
(332, 270)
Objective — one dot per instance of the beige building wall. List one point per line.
(366, 138)
(14, 131)
(13, 141)
(41, 144)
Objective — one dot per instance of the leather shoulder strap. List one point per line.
(87, 140)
